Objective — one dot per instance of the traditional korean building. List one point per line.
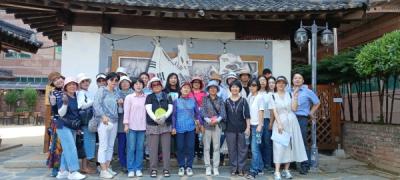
(100, 35)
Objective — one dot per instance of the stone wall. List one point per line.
(378, 145)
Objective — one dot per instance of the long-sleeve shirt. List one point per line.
(105, 104)
(184, 115)
(69, 111)
(198, 97)
(122, 95)
(135, 111)
(85, 99)
(208, 111)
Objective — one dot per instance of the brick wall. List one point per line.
(378, 145)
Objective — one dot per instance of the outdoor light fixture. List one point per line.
(301, 38)
(201, 13)
(112, 45)
(327, 37)
(266, 44)
(65, 35)
(224, 48)
(191, 43)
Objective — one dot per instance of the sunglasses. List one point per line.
(114, 80)
(155, 84)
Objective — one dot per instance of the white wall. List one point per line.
(281, 58)
(81, 53)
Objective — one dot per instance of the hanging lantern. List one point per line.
(300, 37)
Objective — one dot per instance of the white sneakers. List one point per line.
(181, 171)
(277, 176)
(216, 172)
(62, 175)
(189, 171)
(139, 173)
(208, 171)
(112, 172)
(286, 174)
(73, 176)
(106, 174)
(76, 176)
(131, 174)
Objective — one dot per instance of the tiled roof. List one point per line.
(243, 5)
(19, 33)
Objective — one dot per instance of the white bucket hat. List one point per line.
(82, 76)
(124, 78)
(154, 79)
(122, 70)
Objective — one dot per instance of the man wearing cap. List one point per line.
(267, 73)
(244, 77)
(308, 104)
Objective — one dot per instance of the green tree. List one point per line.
(11, 98)
(30, 96)
(381, 58)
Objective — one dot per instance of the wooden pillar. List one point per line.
(47, 120)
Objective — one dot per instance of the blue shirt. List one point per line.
(184, 115)
(105, 103)
(306, 99)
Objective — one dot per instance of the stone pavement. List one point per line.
(27, 162)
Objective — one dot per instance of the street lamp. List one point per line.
(300, 38)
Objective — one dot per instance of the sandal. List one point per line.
(166, 173)
(153, 173)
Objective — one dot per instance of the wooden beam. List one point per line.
(31, 6)
(52, 33)
(42, 25)
(49, 29)
(39, 20)
(28, 16)
(106, 25)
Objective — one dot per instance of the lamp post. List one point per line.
(300, 38)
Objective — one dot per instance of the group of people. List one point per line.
(142, 113)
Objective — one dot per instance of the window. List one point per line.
(57, 52)
(16, 55)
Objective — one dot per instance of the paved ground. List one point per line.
(331, 167)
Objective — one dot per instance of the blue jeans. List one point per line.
(303, 122)
(89, 142)
(185, 148)
(135, 148)
(69, 156)
(122, 149)
(266, 145)
(256, 159)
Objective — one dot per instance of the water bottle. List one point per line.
(247, 137)
(201, 138)
(258, 138)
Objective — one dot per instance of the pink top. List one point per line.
(135, 112)
(198, 97)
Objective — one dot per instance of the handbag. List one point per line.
(72, 124)
(221, 124)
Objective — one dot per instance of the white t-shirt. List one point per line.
(267, 98)
(256, 104)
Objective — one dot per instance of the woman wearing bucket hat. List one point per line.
(85, 106)
(159, 107)
(286, 126)
(197, 94)
(68, 111)
(184, 119)
(106, 108)
(213, 112)
(56, 81)
(124, 90)
(221, 93)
